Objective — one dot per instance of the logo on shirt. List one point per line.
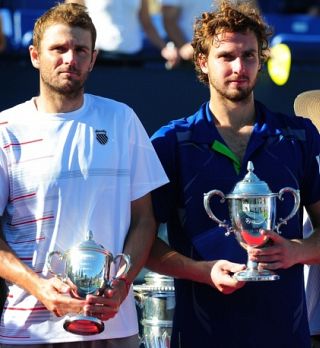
(318, 160)
(101, 136)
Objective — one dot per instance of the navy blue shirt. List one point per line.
(285, 153)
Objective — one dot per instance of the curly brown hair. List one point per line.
(233, 18)
(71, 14)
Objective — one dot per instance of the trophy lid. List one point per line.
(90, 244)
(251, 185)
(156, 282)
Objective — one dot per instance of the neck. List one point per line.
(57, 103)
(233, 114)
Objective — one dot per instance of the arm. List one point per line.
(51, 292)
(2, 38)
(138, 243)
(168, 52)
(285, 253)
(171, 16)
(217, 274)
(141, 234)
(312, 244)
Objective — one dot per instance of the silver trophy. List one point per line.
(156, 300)
(88, 266)
(252, 207)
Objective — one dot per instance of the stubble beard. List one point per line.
(238, 95)
(70, 89)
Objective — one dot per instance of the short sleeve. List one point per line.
(146, 172)
(164, 198)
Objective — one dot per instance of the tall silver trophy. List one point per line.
(88, 266)
(156, 300)
(252, 207)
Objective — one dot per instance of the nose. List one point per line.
(238, 65)
(69, 57)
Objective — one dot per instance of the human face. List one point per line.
(64, 60)
(232, 65)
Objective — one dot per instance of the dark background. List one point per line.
(156, 94)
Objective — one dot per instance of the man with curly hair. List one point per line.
(210, 150)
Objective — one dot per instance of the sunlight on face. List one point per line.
(65, 59)
(233, 65)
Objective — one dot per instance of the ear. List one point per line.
(34, 56)
(203, 63)
(93, 59)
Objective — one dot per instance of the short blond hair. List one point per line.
(71, 14)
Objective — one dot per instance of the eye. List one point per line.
(59, 49)
(82, 50)
(250, 55)
(227, 57)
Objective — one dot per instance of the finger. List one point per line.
(270, 265)
(99, 301)
(234, 267)
(109, 293)
(274, 236)
(60, 286)
(230, 285)
(101, 312)
(64, 305)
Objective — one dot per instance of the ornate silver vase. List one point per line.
(88, 265)
(252, 207)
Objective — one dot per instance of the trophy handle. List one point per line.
(124, 268)
(296, 195)
(206, 201)
(48, 264)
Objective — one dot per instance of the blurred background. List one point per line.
(144, 81)
(156, 90)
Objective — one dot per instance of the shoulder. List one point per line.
(177, 128)
(110, 109)
(288, 124)
(17, 113)
(107, 103)
(27, 105)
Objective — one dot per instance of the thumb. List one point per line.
(274, 236)
(236, 267)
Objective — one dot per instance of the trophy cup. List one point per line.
(87, 265)
(252, 207)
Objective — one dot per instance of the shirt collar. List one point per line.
(204, 130)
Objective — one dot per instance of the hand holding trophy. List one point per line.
(252, 207)
(88, 266)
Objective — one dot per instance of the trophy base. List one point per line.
(255, 275)
(83, 325)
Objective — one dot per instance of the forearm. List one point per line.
(137, 246)
(175, 35)
(140, 236)
(153, 36)
(164, 260)
(307, 250)
(217, 274)
(171, 15)
(148, 26)
(16, 272)
(50, 292)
